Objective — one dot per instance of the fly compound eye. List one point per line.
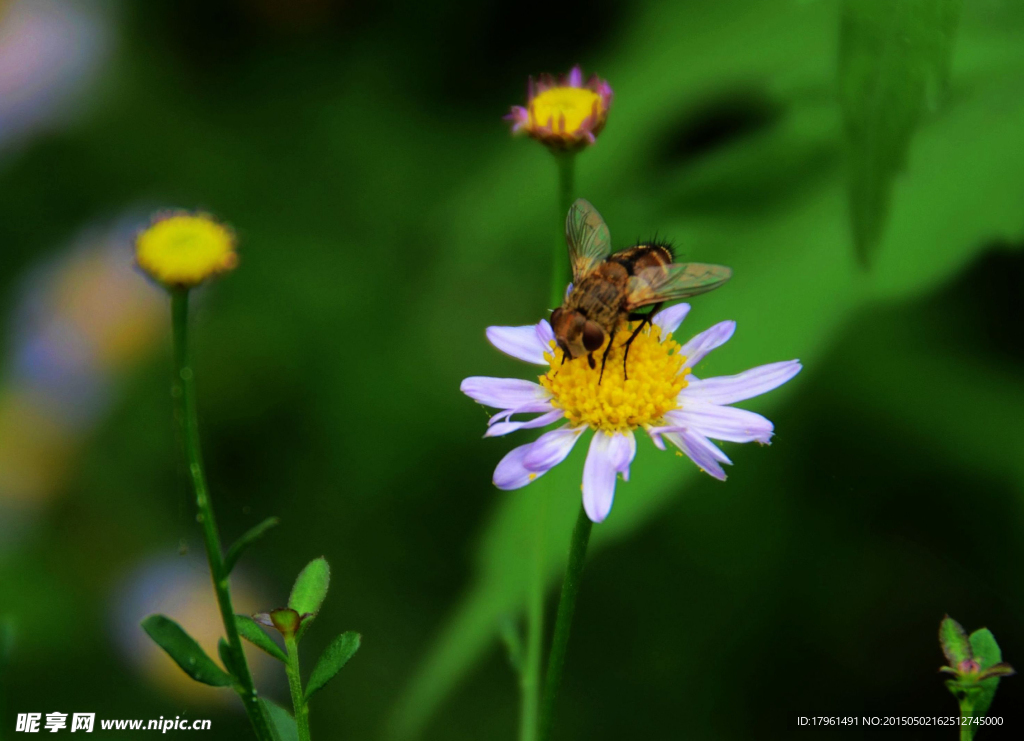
(593, 336)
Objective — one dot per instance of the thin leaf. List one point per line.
(250, 537)
(250, 630)
(894, 59)
(334, 657)
(310, 587)
(282, 724)
(184, 650)
(953, 639)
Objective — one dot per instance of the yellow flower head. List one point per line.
(566, 115)
(182, 249)
(609, 401)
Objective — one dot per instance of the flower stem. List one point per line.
(563, 622)
(566, 195)
(530, 680)
(299, 706)
(185, 398)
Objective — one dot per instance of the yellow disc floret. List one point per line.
(571, 105)
(185, 249)
(656, 375)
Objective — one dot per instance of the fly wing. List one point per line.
(588, 239)
(672, 282)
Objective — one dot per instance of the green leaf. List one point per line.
(954, 641)
(185, 652)
(251, 631)
(894, 60)
(310, 587)
(988, 655)
(282, 724)
(250, 537)
(334, 657)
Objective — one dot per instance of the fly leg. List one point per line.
(604, 359)
(644, 318)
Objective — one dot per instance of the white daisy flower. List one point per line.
(661, 395)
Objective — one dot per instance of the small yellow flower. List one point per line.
(565, 115)
(182, 249)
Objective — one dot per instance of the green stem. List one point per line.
(563, 622)
(185, 397)
(299, 706)
(530, 679)
(967, 729)
(566, 195)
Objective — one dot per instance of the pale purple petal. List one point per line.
(503, 393)
(545, 335)
(519, 117)
(522, 343)
(746, 385)
(608, 456)
(552, 447)
(722, 423)
(700, 450)
(668, 320)
(576, 77)
(503, 428)
(706, 341)
(510, 473)
(533, 406)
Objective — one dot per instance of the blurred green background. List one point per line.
(385, 219)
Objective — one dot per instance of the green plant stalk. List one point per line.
(299, 705)
(563, 622)
(530, 678)
(566, 195)
(967, 729)
(184, 392)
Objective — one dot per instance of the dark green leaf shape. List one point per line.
(334, 657)
(185, 652)
(250, 630)
(250, 537)
(987, 654)
(282, 724)
(894, 60)
(955, 644)
(310, 587)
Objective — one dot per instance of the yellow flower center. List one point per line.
(186, 249)
(575, 103)
(656, 376)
